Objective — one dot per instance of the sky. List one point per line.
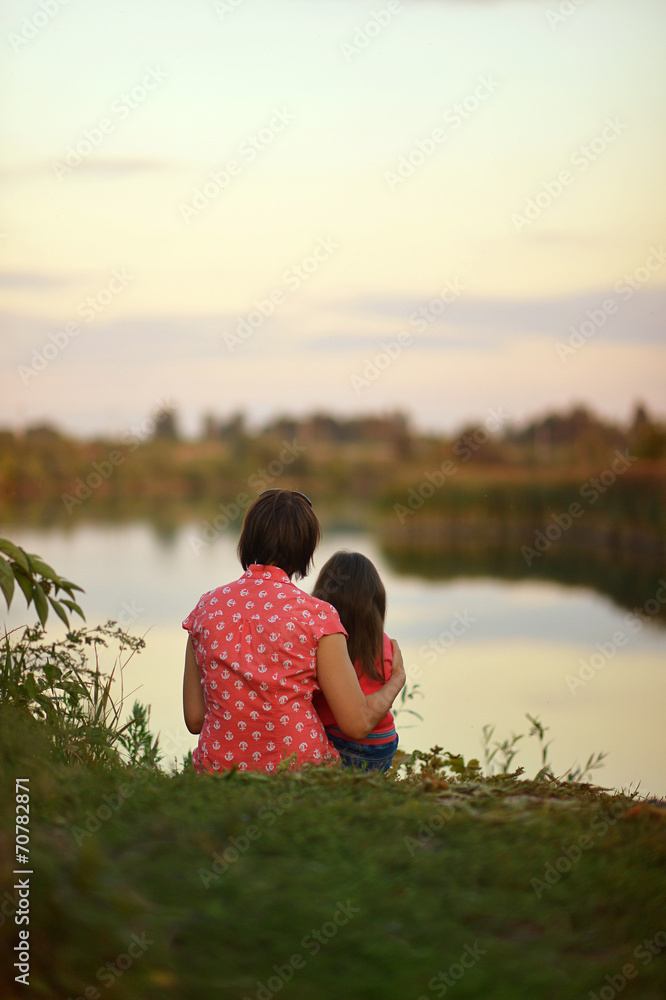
(435, 206)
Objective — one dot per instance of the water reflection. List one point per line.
(629, 579)
(631, 583)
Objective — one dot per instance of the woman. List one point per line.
(259, 648)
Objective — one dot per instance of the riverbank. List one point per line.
(328, 884)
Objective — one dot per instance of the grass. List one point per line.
(327, 884)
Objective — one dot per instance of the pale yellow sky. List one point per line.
(417, 154)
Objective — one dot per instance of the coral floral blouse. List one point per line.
(255, 642)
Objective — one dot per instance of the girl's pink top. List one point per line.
(255, 642)
(384, 731)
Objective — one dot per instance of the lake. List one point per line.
(482, 650)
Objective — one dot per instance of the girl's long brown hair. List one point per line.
(350, 582)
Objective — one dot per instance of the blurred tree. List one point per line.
(210, 427)
(646, 437)
(165, 426)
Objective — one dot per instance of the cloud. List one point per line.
(569, 238)
(441, 340)
(36, 281)
(122, 167)
(97, 166)
(486, 326)
(119, 343)
(624, 314)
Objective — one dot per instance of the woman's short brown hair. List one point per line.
(280, 529)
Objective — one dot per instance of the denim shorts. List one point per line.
(368, 758)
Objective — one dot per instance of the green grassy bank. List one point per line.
(327, 884)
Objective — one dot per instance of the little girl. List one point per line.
(350, 582)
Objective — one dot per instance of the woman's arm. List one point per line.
(194, 706)
(356, 714)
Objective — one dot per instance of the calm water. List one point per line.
(482, 650)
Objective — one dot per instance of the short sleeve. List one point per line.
(326, 621)
(387, 654)
(188, 624)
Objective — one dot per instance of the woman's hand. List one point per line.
(356, 714)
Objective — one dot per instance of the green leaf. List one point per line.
(59, 610)
(39, 566)
(73, 606)
(24, 581)
(69, 586)
(41, 606)
(30, 685)
(15, 553)
(6, 581)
